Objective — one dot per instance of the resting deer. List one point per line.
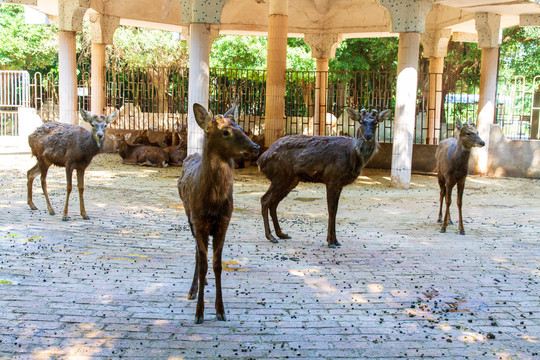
(139, 154)
(206, 190)
(70, 146)
(452, 166)
(335, 161)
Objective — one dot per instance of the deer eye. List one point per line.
(226, 133)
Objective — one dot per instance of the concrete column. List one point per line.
(435, 46)
(321, 92)
(98, 79)
(436, 67)
(278, 21)
(102, 28)
(405, 111)
(199, 77)
(323, 47)
(489, 38)
(67, 82)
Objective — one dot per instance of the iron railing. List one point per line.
(157, 98)
(14, 94)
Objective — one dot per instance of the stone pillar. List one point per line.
(323, 47)
(278, 20)
(70, 17)
(102, 28)
(200, 41)
(489, 38)
(67, 77)
(200, 15)
(435, 44)
(409, 19)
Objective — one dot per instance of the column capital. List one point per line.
(212, 32)
(488, 27)
(408, 16)
(281, 7)
(323, 46)
(102, 28)
(71, 13)
(205, 11)
(435, 43)
(529, 20)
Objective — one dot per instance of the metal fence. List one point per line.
(14, 94)
(157, 98)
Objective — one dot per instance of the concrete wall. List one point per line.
(516, 158)
(423, 157)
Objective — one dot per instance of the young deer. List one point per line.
(452, 165)
(70, 146)
(335, 161)
(206, 190)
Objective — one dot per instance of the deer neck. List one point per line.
(91, 146)
(216, 175)
(365, 149)
(461, 155)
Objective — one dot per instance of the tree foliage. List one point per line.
(22, 46)
(520, 52)
(376, 54)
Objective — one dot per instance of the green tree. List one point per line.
(239, 52)
(375, 54)
(26, 47)
(520, 52)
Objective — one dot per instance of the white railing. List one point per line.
(14, 94)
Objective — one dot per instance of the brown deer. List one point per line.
(452, 166)
(335, 161)
(206, 190)
(142, 138)
(70, 146)
(139, 154)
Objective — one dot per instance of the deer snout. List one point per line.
(481, 144)
(369, 137)
(254, 150)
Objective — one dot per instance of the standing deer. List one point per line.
(70, 146)
(335, 161)
(452, 165)
(206, 190)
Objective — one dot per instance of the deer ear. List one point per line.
(459, 125)
(86, 116)
(471, 122)
(353, 114)
(127, 136)
(384, 115)
(112, 137)
(112, 117)
(202, 116)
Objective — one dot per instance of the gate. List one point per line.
(14, 94)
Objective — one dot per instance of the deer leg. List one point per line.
(31, 175)
(80, 186)
(442, 185)
(218, 241)
(448, 198)
(265, 204)
(332, 199)
(69, 183)
(44, 169)
(192, 295)
(280, 195)
(202, 264)
(460, 188)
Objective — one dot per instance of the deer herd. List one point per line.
(205, 185)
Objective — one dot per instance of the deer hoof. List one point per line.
(51, 212)
(450, 222)
(191, 296)
(65, 218)
(442, 230)
(283, 236)
(337, 243)
(462, 232)
(272, 239)
(332, 246)
(86, 217)
(33, 207)
(221, 317)
(439, 221)
(199, 320)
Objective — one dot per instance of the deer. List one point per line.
(139, 154)
(452, 158)
(335, 161)
(142, 138)
(69, 146)
(206, 190)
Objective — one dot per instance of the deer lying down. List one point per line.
(139, 154)
(452, 166)
(335, 161)
(69, 146)
(206, 190)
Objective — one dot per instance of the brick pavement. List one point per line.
(115, 287)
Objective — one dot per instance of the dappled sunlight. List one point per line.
(499, 260)
(321, 284)
(444, 327)
(304, 272)
(359, 299)
(375, 288)
(161, 322)
(154, 288)
(175, 358)
(529, 338)
(469, 336)
(426, 314)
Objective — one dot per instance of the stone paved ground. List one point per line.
(115, 286)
